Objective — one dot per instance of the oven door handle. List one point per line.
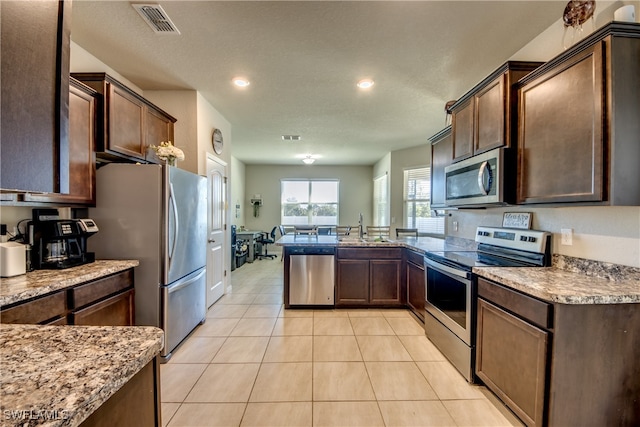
(444, 268)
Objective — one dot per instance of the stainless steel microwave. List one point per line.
(478, 180)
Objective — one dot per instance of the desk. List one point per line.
(251, 236)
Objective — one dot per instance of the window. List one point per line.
(380, 201)
(305, 202)
(417, 198)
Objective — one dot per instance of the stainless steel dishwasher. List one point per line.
(311, 275)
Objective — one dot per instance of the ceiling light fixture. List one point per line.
(241, 82)
(308, 160)
(365, 83)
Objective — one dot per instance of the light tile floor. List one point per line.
(253, 363)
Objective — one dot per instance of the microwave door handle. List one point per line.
(485, 169)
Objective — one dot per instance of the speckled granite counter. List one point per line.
(571, 281)
(420, 244)
(41, 282)
(66, 372)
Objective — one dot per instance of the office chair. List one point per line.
(265, 240)
(406, 232)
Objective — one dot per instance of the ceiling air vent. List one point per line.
(156, 17)
(291, 137)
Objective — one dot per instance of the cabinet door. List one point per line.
(126, 123)
(463, 131)
(386, 282)
(441, 157)
(560, 137)
(114, 311)
(82, 164)
(415, 289)
(353, 282)
(511, 360)
(35, 75)
(159, 128)
(490, 116)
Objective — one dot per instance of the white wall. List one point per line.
(356, 189)
(237, 197)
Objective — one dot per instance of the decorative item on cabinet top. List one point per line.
(576, 13)
(168, 152)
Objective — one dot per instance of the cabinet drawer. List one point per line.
(94, 291)
(370, 253)
(416, 258)
(36, 311)
(114, 311)
(531, 309)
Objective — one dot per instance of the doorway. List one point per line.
(216, 229)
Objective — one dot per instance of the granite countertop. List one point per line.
(593, 283)
(419, 244)
(41, 282)
(59, 375)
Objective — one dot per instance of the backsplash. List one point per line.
(602, 270)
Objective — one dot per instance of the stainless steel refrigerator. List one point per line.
(156, 214)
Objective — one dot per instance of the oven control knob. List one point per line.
(523, 238)
(532, 239)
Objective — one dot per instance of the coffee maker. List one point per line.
(59, 243)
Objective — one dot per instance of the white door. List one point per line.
(216, 225)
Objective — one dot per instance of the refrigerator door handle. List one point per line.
(176, 225)
(181, 285)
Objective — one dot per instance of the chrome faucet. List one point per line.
(360, 226)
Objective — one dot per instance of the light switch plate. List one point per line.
(567, 236)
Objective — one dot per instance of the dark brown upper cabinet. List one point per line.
(485, 117)
(579, 123)
(128, 124)
(82, 159)
(441, 157)
(35, 45)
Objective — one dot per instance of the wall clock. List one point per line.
(217, 141)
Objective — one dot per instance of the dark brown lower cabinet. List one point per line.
(369, 277)
(108, 301)
(519, 381)
(114, 311)
(137, 403)
(559, 364)
(415, 284)
(353, 282)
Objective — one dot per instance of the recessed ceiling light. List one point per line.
(365, 83)
(241, 82)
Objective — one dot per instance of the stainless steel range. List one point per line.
(451, 293)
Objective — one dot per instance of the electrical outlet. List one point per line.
(567, 236)
(455, 225)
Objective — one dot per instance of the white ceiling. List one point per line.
(303, 59)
